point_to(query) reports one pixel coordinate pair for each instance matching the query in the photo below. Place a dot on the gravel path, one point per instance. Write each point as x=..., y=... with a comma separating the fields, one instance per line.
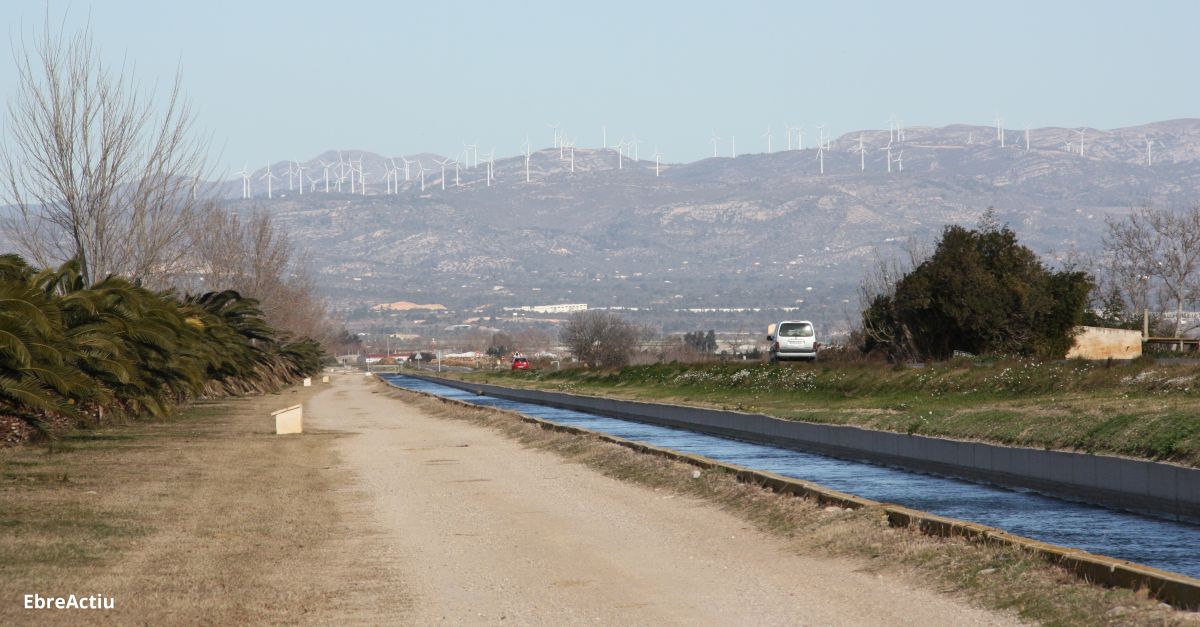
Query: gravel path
x=477, y=528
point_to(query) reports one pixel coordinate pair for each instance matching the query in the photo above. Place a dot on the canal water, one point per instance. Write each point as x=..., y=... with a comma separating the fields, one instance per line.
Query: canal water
x=1168, y=545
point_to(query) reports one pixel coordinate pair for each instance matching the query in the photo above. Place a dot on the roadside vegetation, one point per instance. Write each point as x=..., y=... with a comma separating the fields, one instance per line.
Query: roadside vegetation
x=73, y=354
x=1139, y=409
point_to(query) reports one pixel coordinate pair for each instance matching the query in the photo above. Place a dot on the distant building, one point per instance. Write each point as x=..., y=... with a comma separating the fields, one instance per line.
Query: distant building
x=564, y=308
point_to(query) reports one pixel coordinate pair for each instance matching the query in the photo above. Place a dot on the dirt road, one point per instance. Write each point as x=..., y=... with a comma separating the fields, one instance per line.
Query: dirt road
x=477, y=528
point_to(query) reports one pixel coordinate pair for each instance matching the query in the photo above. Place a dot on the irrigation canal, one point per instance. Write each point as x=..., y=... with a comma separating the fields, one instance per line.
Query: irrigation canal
x=1168, y=545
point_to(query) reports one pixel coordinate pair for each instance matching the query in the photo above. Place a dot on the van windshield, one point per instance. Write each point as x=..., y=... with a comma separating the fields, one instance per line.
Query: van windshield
x=795, y=329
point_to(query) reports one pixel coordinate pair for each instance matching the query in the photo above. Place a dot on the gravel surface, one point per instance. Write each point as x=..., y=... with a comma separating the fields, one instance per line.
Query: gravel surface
x=476, y=528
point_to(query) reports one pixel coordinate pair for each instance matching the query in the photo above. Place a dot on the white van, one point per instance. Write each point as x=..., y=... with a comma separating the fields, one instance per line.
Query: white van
x=792, y=339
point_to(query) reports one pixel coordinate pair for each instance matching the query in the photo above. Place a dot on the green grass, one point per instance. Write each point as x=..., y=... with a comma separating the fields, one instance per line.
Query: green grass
x=1136, y=409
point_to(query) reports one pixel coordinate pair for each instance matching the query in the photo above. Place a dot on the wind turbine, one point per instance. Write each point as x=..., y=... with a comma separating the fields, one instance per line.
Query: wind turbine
x=900, y=162
x=290, y=174
x=768, y=136
x=406, y=164
x=326, y=166
x=656, y=158
x=821, y=137
x=554, y=127
x=799, y=138
x=821, y=157
x=1149, y=156
x=862, y=154
x=635, y=142
x=1026, y=138
x=1081, y=133
x=733, y=146
x=1000, y=129
x=490, y=159
x=526, y=146
x=620, y=153
x=787, y=132
x=603, y=136
x=421, y=168
x=571, y=145
x=362, y=178
x=891, y=128
x=456, y=183
x=443, y=163
x=714, y=140
x=245, y=181
x=889, y=156
x=268, y=176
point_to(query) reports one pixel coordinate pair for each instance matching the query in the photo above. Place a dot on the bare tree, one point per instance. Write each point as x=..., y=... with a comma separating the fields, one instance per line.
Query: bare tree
x=600, y=339
x=258, y=260
x=97, y=167
x=1159, y=246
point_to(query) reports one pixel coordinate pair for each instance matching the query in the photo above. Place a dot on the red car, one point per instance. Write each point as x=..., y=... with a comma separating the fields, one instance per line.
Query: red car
x=520, y=363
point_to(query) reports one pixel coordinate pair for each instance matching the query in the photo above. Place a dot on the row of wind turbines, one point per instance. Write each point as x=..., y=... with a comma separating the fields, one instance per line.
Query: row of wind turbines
x=336, y=174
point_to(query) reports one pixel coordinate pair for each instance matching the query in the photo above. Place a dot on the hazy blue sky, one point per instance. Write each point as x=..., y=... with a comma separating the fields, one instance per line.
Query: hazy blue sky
x=285, y=80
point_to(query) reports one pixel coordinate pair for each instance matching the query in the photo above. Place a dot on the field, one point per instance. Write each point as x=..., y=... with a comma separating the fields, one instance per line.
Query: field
x=1140, y=409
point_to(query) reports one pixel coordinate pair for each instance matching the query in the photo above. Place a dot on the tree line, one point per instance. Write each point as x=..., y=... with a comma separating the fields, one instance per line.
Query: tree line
x=113, y=349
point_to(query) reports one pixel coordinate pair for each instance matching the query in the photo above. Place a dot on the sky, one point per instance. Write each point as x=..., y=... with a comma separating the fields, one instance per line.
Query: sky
x=287, y=80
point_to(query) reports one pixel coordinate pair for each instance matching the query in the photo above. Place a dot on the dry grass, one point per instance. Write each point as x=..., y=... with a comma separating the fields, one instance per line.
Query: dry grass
x=205, y=518
x=996, y=577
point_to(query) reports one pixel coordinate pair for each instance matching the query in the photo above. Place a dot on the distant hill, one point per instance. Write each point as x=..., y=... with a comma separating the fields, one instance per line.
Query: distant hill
x=759, y=230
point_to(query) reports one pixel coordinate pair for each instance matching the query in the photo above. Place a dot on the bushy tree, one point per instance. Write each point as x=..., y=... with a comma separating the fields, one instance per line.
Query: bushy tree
x=981, y=292
x=600, y=339
x=700, y=341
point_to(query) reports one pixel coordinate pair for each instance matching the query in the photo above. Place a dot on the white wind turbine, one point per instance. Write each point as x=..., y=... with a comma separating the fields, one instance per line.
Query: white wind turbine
x=821, y=156
x=656, y=160
x=362, y=178
x=554, y=127
x=1000, y=129
x=1026, y=138
x=714, y=140
x=635, y=142
x=891, y=128
x=799, y=138
x=603, y=136
x=620, y=148
x=900, y=161
x=245, y=181
x=526, y=146
x=889, y=156
x=1149, y=155
x=571, y=145
x=1081, y=132
x=421, y=169
x=406, y=164
x=388, y=175
x=787, y=132
x=821, y=137
x=862, y=154
x=733, y=146
x=456, y=182
x=442, y=162
x=269, y=176
x=490, y=160
x=300, y=171
x=290, y=174
x=767, y=134
x=326, y=166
